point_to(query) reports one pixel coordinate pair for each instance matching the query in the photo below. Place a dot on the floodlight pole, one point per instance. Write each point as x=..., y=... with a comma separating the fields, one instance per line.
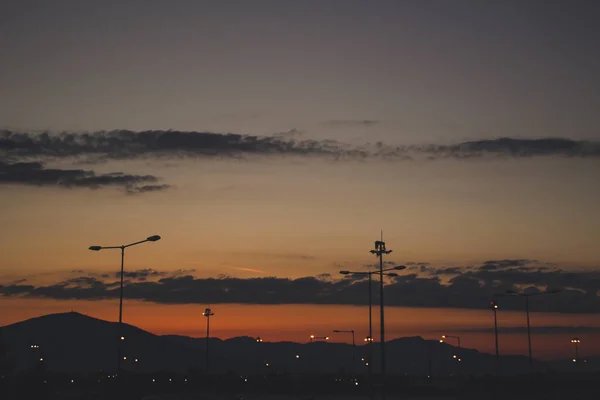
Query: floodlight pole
x=379, y=251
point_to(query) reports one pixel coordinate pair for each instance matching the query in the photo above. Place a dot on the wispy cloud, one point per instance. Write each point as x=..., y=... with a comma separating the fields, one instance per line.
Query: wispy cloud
x=22, y=154
x=35, y=174
x=15, y=147
x=258, y=271
x=348, y=123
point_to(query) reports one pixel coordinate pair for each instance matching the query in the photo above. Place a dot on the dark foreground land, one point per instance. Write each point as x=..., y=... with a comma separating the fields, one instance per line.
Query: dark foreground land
x=284, y=387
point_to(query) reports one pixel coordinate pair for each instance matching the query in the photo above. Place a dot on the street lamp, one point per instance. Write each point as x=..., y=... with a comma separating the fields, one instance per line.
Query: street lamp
x=310, y=357
x=259, y=340
x=527, y=296
x=313, y=337
x=153, y=238
x=444, y=337
x=494, y=307
x=369, y=339
x=207, y=313
x=455, y=356
x=576, y=342
x=353, y=346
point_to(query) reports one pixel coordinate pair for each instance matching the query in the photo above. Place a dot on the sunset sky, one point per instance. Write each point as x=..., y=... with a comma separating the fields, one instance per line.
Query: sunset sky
x=270, y=142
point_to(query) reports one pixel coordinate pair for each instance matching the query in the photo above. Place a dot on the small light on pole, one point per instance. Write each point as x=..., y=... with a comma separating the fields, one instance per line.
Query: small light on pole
x=494, y=307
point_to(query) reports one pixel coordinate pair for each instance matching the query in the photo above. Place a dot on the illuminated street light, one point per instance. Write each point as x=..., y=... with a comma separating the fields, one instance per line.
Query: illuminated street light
x=444, y=337
x=153, y=238
x=494, y=307
x=576, y=342
x=313, y=338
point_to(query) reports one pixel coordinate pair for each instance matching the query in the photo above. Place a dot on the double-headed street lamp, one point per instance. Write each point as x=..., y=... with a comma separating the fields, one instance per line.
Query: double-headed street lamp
x=259, y=340
x=207, y=313
x=312, y=339
x=353, y=346
x=120, y=338
x=444, y=337
x=527, y=296
x=369, y=339
x=576, y=342
x=455, y=356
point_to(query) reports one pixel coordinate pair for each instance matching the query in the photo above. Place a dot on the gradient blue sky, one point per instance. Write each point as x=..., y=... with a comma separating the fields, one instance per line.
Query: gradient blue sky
x=351, y=73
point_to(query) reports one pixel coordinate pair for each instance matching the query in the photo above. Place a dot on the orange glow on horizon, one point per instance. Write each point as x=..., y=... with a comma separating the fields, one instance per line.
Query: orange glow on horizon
x=297, y=322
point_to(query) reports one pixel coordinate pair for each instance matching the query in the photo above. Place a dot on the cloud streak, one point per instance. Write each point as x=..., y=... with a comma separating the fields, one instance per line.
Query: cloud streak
x=349, y=123
x=35, y=174
x=123, y=144
x=471, y=289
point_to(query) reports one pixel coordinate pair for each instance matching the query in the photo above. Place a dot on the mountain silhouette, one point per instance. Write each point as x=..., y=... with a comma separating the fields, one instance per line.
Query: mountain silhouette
x=79, y=343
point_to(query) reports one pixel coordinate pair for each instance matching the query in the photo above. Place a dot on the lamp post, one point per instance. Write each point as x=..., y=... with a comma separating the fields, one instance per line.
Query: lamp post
x=120, y=338
x=494, y=307
x=353, y=347
x=455, y=356
x=527, y=296
x=313, y=338
x=444, y=337
x=576, y=342
x=369, y=339
x=207, y=313
x=262, y=361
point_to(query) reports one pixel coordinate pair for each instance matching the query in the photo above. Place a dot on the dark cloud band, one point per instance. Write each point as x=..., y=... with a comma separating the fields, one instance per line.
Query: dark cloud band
x=472, y=288
x=35, y=174
x=124, y=144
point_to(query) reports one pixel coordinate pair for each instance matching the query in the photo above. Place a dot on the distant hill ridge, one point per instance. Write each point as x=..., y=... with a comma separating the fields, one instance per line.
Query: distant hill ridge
x=76, y=342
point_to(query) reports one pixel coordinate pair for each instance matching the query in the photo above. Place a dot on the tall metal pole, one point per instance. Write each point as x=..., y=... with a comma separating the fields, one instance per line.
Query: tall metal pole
x=120, y=338
x=576, y=342
x=369, y=344
x=497, y=363
x=207, y=313
x=120, y=328
x=207, y=339
x=381, y=316
x=529, y=334
x=353, y=353
x=380, y=250
x=496, y=337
